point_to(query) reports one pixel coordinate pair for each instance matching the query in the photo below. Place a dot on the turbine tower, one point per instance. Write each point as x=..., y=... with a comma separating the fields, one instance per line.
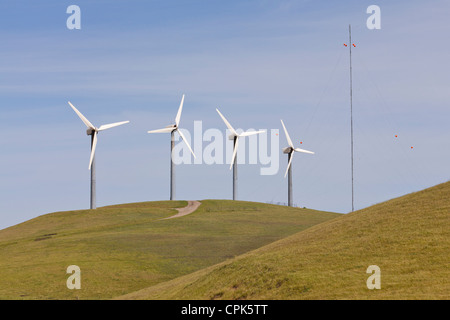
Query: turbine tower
x=235, y=137
x=172, y=128
x=93, y=132
x=290, y=152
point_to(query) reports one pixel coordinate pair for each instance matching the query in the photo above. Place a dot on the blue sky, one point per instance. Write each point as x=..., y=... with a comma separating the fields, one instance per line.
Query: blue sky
x=258, y=61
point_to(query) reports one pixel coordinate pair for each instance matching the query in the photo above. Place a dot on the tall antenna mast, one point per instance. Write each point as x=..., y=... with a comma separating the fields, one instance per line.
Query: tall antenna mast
x=351, y=110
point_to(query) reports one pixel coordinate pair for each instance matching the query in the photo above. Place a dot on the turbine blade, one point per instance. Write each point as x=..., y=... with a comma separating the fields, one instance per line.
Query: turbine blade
x=287, y=136
x=234, y=152
x=111, y=125
x=83, y=118
x=184, y=139
x=289, y=164
x=178, y=117
x=94, y=145
x=163, y=130
x=227, y=123
x=250, y=133
x=302, y=150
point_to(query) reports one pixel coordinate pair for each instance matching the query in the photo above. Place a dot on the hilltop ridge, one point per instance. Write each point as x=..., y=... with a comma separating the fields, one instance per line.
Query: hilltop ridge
x=407, y=237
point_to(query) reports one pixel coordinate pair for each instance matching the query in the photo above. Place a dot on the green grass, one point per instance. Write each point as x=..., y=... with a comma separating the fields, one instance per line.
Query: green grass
x=407, y=237
x=125, y=248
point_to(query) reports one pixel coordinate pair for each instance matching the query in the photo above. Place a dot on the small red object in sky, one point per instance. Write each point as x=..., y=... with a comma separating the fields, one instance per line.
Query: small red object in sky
x=301, y=142
x=354, y=45
x=345, y=44
x=396, y=136
x=411, y=147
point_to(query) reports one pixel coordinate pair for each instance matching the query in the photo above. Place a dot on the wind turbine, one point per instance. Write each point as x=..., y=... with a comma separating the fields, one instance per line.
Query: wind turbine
x=93, y=132
x=235, y=137
x=172, y=128
x=290, y=151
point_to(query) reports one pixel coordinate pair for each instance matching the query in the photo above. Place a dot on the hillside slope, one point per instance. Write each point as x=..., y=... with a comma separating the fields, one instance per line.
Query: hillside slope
x=124, y=248
x=408, y=238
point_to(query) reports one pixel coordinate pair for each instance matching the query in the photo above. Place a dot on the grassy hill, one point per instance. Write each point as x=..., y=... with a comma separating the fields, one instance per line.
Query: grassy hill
x=407, y=237
x=124, y=248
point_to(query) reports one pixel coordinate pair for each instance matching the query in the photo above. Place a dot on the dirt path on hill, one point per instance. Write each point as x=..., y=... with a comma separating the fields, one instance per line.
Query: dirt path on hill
x=191, y=207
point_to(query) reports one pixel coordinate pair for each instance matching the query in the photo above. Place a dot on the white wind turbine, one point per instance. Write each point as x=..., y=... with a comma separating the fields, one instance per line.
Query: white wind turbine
x=235, y=137
x=172, y=128
x=290, y=151
x=93, y=132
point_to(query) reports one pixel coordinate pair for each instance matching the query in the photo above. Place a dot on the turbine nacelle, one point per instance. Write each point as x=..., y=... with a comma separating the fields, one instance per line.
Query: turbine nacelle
x=288, y=150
